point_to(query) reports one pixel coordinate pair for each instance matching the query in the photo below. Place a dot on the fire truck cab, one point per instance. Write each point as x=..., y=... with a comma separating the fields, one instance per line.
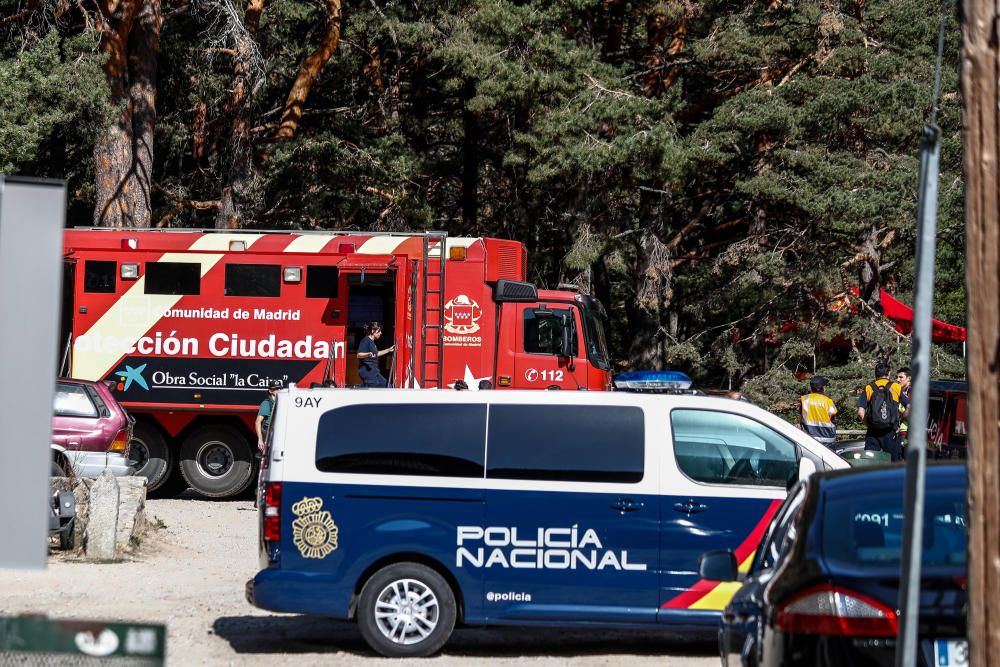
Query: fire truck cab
x=191, y=326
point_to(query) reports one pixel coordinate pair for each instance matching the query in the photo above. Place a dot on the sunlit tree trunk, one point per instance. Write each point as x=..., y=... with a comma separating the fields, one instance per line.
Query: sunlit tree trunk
x=239, y=164
x=113, y=148
x=310, y=71
x=144, y=47
x=123, y=154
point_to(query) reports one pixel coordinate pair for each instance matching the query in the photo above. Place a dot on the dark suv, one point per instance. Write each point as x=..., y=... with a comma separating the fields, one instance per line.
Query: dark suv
x=90, y=431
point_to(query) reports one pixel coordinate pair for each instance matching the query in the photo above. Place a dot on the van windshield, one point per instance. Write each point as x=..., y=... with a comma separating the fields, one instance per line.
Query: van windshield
x=873, y=536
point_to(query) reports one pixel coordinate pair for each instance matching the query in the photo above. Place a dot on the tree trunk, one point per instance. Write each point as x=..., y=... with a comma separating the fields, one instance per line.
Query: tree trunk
x=310, y=71
x=870, y=280
x=470, y=161
x=144, y=48
x=113, y=148
x=647, y=312
x=616, y=25
x=237, y=160
x=982, y=208
x=112, y=160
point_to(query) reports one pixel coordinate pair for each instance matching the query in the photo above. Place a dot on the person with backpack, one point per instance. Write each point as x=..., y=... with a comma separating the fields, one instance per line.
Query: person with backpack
x=880, y=406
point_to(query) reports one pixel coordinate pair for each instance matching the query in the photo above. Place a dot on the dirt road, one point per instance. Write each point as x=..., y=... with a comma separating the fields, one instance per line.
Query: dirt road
x=190, y=576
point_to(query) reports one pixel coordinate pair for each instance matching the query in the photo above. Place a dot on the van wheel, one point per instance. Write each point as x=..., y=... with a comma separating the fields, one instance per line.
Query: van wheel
x=217, y=461
x=151, y=455
x=406, y=610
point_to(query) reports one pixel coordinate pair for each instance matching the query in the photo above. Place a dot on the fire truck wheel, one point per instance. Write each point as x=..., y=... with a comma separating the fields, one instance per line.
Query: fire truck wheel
x=151, y=455
x=217, y=461
x=406, y=610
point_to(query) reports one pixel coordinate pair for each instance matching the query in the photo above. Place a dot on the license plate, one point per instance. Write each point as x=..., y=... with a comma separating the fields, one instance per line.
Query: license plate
x=951, y=653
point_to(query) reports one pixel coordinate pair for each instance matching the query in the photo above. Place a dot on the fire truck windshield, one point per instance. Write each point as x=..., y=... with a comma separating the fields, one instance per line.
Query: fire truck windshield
x=597, y=346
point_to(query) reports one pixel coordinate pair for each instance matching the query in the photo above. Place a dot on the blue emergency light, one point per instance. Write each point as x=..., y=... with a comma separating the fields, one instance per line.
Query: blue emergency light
x=652, y=381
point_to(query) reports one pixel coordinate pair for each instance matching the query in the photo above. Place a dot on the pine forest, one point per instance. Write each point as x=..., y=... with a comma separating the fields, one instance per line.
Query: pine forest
x=735, y=181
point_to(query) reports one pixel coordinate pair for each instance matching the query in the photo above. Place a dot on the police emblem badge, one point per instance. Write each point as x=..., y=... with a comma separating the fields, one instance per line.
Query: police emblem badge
x=313, y=531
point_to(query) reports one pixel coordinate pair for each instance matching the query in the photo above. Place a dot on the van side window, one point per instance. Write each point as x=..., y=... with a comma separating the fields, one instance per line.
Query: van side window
x=403, y=439
x=567, y=443
x=725, y=448
x=543, y=335
x=173, y=278
x=99, y=277
x=253, y=280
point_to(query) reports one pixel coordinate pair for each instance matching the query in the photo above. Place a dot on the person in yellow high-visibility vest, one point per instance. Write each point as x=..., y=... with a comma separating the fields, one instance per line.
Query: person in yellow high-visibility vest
x=819, y=413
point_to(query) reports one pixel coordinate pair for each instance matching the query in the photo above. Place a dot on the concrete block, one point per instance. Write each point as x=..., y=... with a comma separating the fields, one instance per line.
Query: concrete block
x=102, y=523
x=131, y=510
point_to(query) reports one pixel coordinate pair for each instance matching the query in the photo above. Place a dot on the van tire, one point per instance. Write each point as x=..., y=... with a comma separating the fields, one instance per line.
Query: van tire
x=438, y=613
x=156, y=458
x=217, y=461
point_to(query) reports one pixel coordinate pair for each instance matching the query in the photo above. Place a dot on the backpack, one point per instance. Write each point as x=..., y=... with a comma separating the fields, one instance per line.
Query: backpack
x=883, y=412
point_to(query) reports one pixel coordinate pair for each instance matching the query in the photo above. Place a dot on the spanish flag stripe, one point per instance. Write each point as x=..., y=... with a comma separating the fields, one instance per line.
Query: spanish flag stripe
x=706, y=589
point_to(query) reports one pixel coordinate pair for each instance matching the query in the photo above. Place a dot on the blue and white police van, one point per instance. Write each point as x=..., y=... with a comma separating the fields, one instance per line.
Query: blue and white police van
x=412, y=512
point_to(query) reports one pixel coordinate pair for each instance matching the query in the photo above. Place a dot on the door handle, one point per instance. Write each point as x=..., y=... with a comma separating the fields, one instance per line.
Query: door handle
x=627, y=505
x=690, y=507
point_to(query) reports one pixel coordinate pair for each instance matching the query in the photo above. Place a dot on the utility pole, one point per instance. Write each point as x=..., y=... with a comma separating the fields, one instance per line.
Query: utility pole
x=982, y=243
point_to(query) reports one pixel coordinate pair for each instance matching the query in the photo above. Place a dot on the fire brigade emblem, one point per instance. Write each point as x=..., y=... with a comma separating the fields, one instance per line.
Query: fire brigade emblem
x=461, y=315
x=313, y=531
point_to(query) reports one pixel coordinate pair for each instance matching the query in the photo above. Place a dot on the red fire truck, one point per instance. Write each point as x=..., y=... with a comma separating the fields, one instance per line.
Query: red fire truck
x=193, y=325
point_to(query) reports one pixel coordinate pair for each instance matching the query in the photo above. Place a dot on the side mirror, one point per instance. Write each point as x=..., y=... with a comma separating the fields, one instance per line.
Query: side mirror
x=566, y=347
x=806, y=467
x=718, y=566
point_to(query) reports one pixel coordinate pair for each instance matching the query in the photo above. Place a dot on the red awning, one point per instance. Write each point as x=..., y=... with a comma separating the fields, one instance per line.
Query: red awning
x=902, y=317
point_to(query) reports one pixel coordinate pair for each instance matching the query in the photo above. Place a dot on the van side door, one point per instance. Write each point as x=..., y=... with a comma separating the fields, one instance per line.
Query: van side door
x=572, y=517
x=724, y=479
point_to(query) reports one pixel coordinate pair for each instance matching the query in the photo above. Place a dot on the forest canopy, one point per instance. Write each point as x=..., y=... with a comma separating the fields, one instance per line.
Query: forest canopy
x=718, y=174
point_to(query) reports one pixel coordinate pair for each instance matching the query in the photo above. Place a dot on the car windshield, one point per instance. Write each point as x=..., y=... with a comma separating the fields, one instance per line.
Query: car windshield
x=597, y=346
x=865, y=531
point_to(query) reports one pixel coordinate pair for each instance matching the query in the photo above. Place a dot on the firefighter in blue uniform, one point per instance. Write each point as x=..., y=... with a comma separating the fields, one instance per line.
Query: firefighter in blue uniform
x=368, y=354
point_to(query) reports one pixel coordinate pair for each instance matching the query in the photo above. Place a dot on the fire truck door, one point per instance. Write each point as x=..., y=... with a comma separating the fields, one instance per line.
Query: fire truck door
x=370, y=281
x=548, y=348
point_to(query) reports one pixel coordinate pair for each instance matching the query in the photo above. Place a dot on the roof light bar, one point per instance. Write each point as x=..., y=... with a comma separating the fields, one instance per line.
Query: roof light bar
x=652, y=381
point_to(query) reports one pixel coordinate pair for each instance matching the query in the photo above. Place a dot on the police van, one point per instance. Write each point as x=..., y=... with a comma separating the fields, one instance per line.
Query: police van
x=412, y=512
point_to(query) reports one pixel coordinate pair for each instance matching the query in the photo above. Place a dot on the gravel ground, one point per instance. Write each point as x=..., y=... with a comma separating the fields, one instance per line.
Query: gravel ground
x=190, y=576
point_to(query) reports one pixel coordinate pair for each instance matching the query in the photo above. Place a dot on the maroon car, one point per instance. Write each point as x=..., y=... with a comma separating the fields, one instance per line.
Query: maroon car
x=90, y=431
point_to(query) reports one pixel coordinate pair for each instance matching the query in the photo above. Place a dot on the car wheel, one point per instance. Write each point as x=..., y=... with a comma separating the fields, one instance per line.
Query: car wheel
x=57, y=470
x=406, y=610
x=217, y=461
x=152, y=457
